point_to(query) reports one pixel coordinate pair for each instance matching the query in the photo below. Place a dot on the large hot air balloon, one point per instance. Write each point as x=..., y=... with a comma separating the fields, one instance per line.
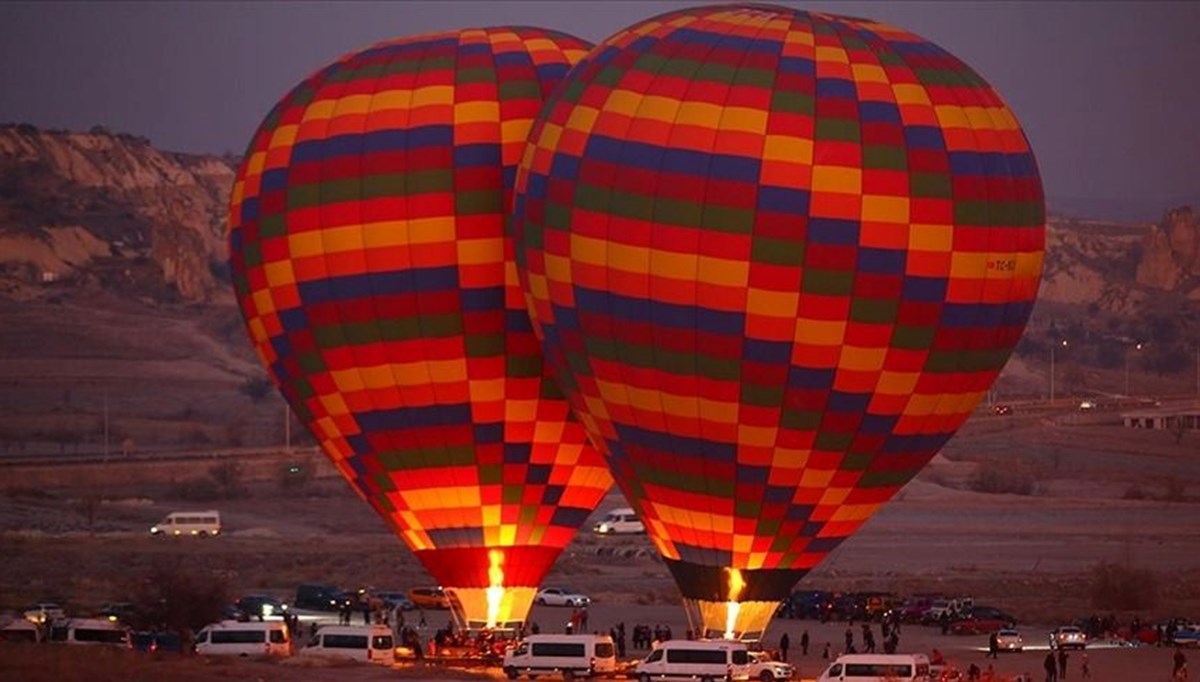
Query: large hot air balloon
x=775, y=259
x=371, y=265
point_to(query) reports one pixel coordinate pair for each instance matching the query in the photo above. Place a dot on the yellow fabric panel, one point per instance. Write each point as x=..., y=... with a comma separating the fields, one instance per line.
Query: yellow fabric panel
x=910, y=93
x=623, y=102
x=263, y=302
x=433, y=95
x=831, y=54
x=757, y=436
x=319, y=110
x=284, y=136
x=664, y=109
x=897, y=383
x=788, y=148
x=951, y=116
x=279, y=272
x=582, y=118
x=588, y=250
x=968, y=265
x=885, y=209
x=254, y=166
x=837, y=179
x=834, y=496
x=723, y=272
x=480, y=251
x=816, y=478
x=854, y=512
x=392, y=99
x=772, y=303
x=931, y=237
x=718, y=412
x=820, y=332
x=476, y=112
x=862, y=359
x=347, y=380
x=868, y=73
x=744, y=119
x=334, y=405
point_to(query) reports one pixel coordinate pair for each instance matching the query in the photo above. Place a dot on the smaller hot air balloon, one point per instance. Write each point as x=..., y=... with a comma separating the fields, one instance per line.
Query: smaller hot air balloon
x=370, y=263
x=776, y=258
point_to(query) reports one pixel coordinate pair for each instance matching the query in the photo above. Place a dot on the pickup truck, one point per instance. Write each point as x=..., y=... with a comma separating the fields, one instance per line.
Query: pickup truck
x=763, y=668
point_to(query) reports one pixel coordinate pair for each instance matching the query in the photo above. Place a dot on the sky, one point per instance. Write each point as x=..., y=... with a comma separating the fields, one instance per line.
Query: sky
x=1107, y=92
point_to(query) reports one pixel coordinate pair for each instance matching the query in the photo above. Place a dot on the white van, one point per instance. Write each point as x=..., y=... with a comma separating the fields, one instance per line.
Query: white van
x=571, y=655
x=235, y=638
x=878, y=668
x=198, y=523
x=619, y=521
x=716, y=659
x=368, y=643
x=93, y=631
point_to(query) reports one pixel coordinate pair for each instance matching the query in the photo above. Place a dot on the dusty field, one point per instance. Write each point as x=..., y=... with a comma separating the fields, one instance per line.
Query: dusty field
x=1030, y=554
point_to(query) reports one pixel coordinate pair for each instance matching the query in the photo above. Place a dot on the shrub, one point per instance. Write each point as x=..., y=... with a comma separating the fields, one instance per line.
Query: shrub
x=196, y=490
x=1123, y=588
x=179, y=597
x=256, y=388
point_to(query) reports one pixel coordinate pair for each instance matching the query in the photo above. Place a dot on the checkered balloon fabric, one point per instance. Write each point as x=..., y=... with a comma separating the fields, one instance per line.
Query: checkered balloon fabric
x=776, y=259
x=370, y=262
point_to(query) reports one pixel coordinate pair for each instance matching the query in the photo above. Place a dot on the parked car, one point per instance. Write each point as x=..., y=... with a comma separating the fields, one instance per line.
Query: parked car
x=618, y=522
x=261, y=606
x=1186, y=635
x=557, y=596
x=1002, y=409
x=317, y=597
x=763, y=667
x=44, y=612
x=166, y=642
x=1009, y=640
x=20, y=630
x=429, y=598
x=395, y=599
x=1068, y=637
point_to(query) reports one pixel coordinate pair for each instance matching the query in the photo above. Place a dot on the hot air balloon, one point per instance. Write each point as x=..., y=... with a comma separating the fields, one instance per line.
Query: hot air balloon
x=371, y=266
x=775, y=259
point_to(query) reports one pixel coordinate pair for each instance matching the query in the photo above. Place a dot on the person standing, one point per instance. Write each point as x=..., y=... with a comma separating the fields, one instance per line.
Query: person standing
x=993, y=646
x=825, y=653
x=1084, y=668
x=804, y=642
x=784, y=643
x=1050, y=668
x=1062, y=663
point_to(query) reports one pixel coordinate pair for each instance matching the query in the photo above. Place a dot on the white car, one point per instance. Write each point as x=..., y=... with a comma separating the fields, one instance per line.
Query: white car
x=557, y=596
x=1009, y=640
x=763, y=668
x=1068, y=637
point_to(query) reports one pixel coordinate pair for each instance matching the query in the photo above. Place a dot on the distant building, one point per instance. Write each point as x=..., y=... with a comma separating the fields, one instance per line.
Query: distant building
x=1168, y=418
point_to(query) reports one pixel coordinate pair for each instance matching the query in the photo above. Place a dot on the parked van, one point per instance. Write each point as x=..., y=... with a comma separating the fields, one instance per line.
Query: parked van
x=235, y=638
x=619, y=521
x=20, y=630
x=368, y=643
x=878, y=668
x=198, y=523
x=92, y=631
x=717, y=659
x=571, y=655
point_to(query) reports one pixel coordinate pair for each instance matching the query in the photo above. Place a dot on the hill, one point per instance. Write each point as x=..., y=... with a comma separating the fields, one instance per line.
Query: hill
x=115, y=294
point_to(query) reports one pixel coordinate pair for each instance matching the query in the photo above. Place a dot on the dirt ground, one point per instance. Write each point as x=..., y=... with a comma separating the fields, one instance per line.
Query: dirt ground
x=1031, y=554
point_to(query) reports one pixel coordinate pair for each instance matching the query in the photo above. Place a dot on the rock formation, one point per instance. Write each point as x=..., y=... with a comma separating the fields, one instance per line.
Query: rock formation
x=111, y=210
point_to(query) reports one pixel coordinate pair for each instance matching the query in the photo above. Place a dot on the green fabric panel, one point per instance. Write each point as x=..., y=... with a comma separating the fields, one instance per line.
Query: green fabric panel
x=484, y=346
x=787, y=252
x=885, y=157
x=792, y=102
x=873, y=310
x=931, y=185
x=912, y=338
x=828, y=282
x=837, y=129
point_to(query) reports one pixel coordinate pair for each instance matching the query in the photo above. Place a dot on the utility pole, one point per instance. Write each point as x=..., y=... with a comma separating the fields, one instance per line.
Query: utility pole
x=106, y=426
x=1053, y=346
x=287, y=428
x=1137, y=346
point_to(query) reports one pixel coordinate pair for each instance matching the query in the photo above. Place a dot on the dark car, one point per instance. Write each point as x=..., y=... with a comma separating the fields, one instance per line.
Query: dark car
x=261, y=606
x=120, y=612
x=166, y=642
x=317, y=597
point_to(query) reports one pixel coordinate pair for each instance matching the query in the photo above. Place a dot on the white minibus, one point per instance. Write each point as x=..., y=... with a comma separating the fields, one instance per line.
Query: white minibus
x=569, y=655
x=878, y=668
x=717, y=659
x=90, y=631
x=198, y=523
x=368, y=643
x=236, y=638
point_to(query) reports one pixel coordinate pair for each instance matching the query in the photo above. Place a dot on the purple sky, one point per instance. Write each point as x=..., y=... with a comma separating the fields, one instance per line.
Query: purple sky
x=1108, y=93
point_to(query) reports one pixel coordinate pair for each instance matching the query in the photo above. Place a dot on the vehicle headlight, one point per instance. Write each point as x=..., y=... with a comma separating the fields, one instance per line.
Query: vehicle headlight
x=267, y=609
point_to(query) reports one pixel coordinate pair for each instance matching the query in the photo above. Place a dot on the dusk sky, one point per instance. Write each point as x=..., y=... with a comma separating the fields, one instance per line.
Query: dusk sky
x=1107, y=92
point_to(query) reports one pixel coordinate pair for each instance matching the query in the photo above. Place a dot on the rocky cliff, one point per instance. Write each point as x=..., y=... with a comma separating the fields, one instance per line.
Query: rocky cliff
x=110, y=210
x=1171, y=251
x=98, y=209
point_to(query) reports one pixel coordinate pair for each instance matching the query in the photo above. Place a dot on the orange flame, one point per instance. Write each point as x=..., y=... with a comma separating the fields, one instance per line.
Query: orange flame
x=495, y=591
x=736, y=585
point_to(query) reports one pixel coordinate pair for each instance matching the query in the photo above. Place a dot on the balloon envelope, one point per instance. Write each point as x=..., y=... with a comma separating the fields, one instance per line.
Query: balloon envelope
x=371, y=266
x=776, y=259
